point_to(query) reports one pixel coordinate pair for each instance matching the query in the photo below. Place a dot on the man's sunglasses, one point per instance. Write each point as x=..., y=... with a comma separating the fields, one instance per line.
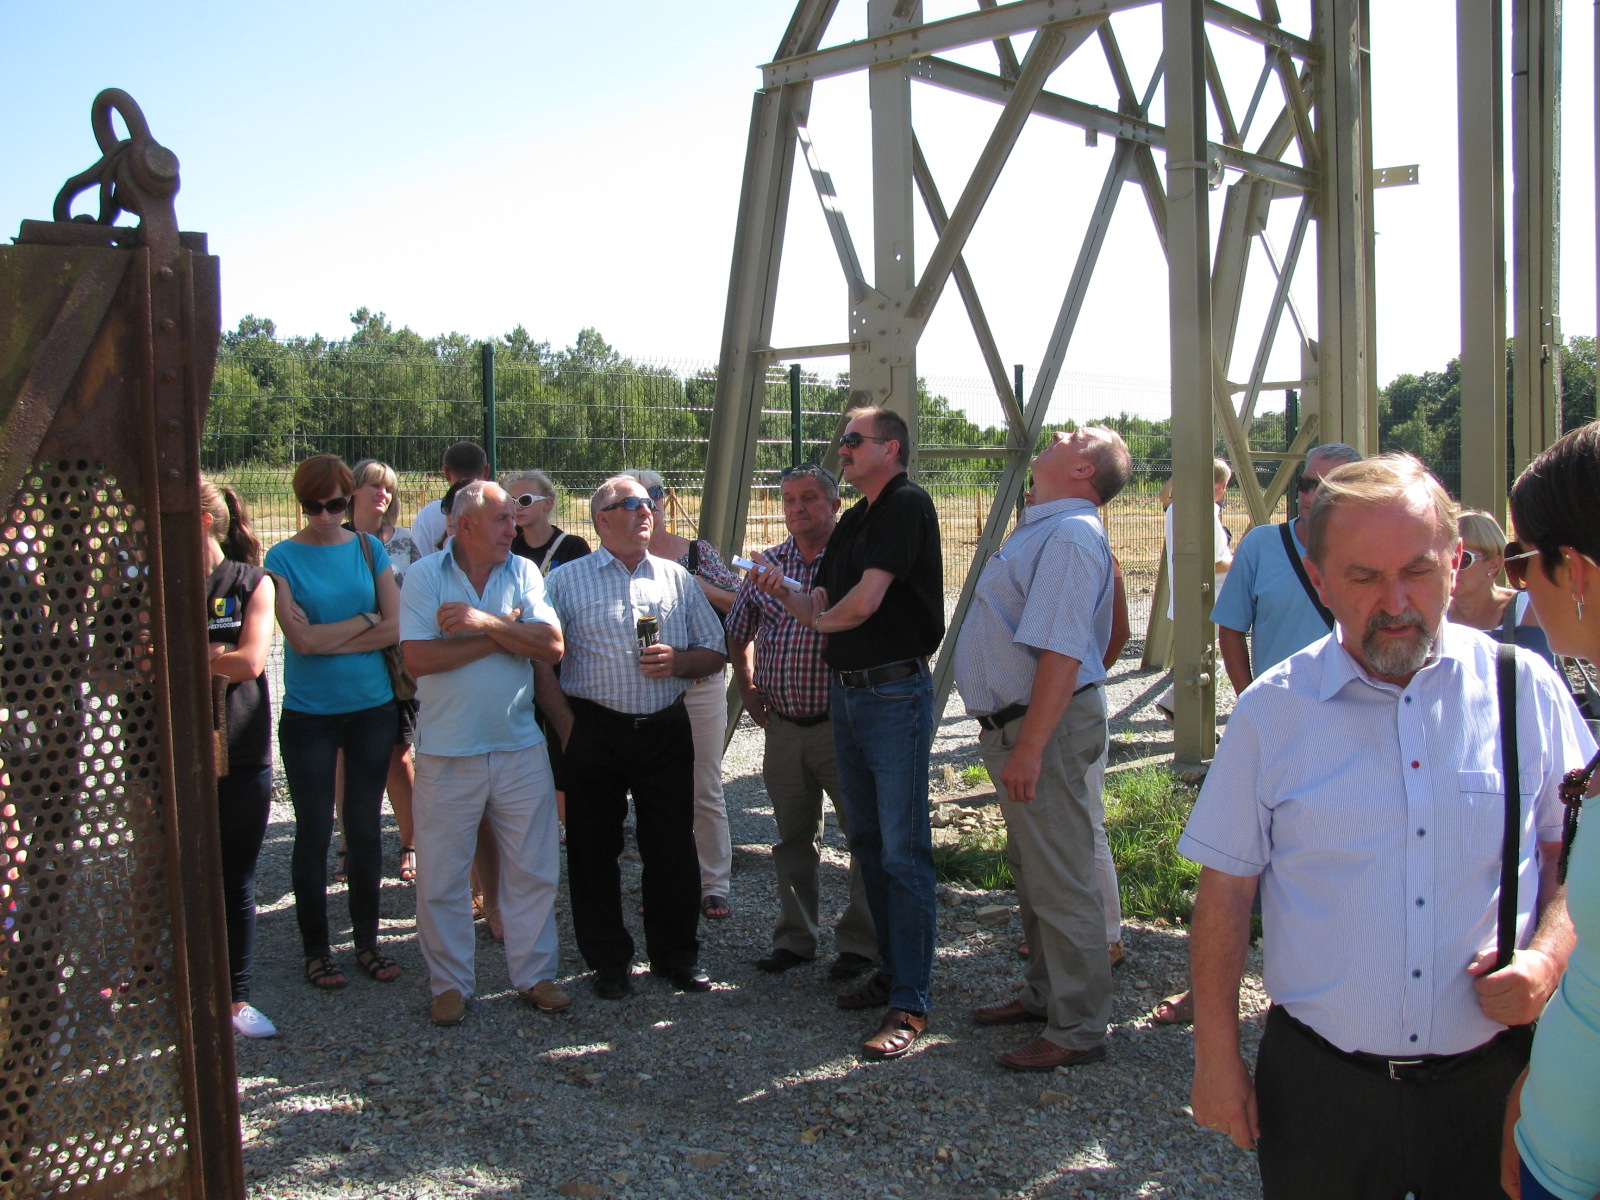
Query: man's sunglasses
x=530, y=499
x=632, y=504
x=314, y=508
x=853, y=440
x=1303, y=485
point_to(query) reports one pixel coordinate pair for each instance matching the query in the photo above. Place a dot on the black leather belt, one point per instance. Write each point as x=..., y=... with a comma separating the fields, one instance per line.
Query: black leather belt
x=802, y=722
x=1004, y=717
x=887, y=673
x=1425, y=1068
x=637, y=720
x=1011, y=712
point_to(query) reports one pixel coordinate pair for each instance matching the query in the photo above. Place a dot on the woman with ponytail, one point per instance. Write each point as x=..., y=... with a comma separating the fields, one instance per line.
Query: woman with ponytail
x=239, y=608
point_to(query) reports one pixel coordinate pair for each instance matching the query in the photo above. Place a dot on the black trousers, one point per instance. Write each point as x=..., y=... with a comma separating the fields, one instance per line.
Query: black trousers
x=1335, y=1130
x=609, y=755
x=244, y=804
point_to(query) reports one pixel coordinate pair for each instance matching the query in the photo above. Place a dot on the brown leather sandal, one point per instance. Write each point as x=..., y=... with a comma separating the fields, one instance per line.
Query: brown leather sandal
x=898, y=1033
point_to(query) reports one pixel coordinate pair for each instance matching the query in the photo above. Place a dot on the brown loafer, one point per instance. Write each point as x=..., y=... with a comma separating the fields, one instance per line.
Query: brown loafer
x=898, y=1033
x=1042, y=1054
x=1009, y=1012
x=448, y=1008
x=1117, y=953
x=870, y=994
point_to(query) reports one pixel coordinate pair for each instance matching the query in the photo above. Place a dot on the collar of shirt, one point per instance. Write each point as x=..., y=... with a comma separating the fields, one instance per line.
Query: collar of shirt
x=466, y=581
x=1339, y=666
x=1042, y=512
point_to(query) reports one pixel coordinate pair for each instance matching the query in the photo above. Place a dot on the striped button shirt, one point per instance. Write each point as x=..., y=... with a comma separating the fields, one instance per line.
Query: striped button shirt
x=1373, y=815
x=600, y=601
x=789, y=671
x=1048, y=588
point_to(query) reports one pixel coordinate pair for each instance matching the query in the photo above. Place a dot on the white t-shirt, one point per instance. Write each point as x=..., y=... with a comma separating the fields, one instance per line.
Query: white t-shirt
x=1219, y=537
x=428, y=530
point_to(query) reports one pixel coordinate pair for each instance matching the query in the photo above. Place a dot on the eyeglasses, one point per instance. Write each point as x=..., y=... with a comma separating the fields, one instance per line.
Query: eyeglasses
x=853, y=440
x=657, y=492
x=1306, y=485
x=530, y=499
x=632, y=504
x=314, y=508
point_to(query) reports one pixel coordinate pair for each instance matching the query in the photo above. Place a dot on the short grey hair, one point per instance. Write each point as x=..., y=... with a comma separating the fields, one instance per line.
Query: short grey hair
x=1337, y=452
x=1113, y=463
x=830, y=485
x=473, y=498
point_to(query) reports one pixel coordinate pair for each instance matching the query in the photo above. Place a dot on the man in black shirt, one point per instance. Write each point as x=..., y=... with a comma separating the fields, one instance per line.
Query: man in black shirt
x=885, y=567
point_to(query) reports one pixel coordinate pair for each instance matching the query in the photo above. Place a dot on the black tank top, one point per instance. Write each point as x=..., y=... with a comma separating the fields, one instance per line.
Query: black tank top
x=228, y=590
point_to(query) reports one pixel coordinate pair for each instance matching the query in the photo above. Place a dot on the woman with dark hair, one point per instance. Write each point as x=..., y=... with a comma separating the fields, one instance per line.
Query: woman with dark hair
x=374, y=509
x=239, y=603
x=338, y=607
x=1552, y=1144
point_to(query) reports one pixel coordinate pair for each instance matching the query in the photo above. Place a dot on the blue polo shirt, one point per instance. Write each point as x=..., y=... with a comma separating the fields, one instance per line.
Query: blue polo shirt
x=486, y=705
x=1262, y=596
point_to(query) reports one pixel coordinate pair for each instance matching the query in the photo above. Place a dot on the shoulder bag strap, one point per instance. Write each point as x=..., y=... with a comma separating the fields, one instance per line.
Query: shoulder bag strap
x=1305, y=581
x=1511, y=843
x=550, y=555
x=366, y=553
x=694, y=557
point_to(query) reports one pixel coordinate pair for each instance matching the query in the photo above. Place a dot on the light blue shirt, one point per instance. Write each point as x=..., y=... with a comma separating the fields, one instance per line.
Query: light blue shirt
x=1048, y=588
x=330, y=584
x=485, y=705
x=1374, y=815
x=1262, y=596
x=600, y=601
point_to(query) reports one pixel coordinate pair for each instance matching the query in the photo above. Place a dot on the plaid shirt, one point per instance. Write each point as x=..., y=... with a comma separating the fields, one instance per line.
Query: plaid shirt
x=790, y=672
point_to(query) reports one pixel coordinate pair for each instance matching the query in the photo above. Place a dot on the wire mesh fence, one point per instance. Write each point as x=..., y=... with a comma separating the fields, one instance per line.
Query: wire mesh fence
x=580, y=419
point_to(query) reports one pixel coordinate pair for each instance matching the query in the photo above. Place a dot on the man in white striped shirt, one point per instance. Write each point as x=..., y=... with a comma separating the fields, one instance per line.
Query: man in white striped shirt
x=1029, y=667
x=1360, y=783
x=619, y=712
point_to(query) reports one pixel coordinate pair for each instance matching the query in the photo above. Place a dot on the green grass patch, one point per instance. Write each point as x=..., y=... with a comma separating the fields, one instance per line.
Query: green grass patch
x=1146, y=810
x=975, y=775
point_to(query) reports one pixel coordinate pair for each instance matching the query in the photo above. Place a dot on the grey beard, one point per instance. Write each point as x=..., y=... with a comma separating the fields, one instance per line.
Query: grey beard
x=1386, y=656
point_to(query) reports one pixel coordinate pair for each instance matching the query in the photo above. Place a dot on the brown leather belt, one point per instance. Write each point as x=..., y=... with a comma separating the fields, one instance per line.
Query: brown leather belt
x=887, y=673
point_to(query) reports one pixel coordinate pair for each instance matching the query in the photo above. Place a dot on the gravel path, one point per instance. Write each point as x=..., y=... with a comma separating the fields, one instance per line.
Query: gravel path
x=751, y=1090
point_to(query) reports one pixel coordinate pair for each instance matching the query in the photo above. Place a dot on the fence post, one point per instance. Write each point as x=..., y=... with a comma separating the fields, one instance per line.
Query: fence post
x=1291, y=426
x=488, y=409
x=794, y=414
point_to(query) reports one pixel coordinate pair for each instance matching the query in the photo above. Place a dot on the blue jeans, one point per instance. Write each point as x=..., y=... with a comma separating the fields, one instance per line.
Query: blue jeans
x=309, y=745
x=882, y=737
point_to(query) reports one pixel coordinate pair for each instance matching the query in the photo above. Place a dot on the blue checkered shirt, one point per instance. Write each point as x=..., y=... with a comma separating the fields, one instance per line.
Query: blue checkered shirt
x=600, y=601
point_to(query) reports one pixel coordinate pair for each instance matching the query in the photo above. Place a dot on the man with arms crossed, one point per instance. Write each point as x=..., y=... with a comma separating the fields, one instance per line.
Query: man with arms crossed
x=1029, y=666
x=1360, y=783
x=624, y=728
x=471, y=619
x=880, y=600
x=785, y=691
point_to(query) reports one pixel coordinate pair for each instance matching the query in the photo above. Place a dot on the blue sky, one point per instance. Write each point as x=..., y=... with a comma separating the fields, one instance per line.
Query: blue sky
x=560, y=166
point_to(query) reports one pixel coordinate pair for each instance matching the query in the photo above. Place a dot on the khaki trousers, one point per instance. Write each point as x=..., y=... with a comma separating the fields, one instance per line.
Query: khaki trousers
x=1050, y=846
x=799, y=766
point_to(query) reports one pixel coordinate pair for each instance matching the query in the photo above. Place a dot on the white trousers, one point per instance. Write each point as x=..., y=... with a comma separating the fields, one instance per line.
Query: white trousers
x=707, y=702
x=514, y=788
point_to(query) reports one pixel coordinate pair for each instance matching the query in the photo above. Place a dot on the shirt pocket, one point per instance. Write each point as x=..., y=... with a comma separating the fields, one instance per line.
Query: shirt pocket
x=1483, y=812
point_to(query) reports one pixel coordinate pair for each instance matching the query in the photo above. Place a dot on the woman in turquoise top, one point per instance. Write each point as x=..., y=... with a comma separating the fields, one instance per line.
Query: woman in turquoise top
x=1553, y=1121
x=338, y=607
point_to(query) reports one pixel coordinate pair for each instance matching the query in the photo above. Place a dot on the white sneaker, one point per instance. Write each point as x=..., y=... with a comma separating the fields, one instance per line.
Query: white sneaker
x=251, y=1022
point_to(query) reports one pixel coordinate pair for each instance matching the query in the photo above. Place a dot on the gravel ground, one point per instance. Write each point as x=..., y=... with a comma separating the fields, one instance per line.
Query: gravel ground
x=752, y=1090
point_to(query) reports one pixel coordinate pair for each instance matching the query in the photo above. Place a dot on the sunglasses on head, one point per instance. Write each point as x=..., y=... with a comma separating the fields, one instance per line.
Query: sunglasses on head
x=632, y=504
x=530, y=498
x=313, y=508
x=805, y=471
x=853, y=440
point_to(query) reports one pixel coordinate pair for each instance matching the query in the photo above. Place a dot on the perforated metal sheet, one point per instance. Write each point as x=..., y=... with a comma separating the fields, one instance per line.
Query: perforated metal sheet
x=91, y=1084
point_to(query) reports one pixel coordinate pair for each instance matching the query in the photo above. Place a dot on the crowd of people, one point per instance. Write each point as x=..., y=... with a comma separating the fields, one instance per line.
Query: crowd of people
x=1394, y=793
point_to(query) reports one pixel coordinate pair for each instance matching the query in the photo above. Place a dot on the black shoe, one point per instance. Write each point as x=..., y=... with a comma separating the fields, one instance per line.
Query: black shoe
x=849, y=966
x=685, y=979
x=611, y=983
x=780, y=960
